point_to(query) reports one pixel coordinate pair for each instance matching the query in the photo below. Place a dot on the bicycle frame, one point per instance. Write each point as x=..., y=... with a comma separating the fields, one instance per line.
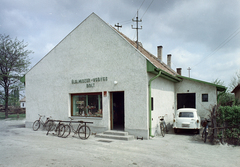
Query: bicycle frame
x=41, y=120
x=205, y=131
x=161, y=120
x=75, y=131
x=162, y=125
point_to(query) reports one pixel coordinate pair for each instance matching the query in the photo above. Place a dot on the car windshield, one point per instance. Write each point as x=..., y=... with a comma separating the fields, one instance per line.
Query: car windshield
x=186, y=114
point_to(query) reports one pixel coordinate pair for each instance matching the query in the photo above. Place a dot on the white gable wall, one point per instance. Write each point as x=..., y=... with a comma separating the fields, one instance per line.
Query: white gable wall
x=92, y=50
x=188, y=86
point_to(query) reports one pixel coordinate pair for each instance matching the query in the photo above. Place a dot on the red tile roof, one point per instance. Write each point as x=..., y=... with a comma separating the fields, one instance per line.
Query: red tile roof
x=153, y=59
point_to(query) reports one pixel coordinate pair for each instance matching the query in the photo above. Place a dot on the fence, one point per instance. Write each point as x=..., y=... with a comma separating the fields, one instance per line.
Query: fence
x=225, y=124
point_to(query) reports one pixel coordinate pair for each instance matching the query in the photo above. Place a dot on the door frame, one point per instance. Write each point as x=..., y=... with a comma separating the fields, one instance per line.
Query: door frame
x=111, y=109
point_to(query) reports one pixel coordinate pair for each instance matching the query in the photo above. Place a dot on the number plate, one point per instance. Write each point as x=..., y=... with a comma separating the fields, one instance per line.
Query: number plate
x=185, y=125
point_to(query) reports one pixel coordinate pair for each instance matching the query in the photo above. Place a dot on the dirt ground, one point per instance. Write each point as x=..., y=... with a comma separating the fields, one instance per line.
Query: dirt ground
x=20, y=146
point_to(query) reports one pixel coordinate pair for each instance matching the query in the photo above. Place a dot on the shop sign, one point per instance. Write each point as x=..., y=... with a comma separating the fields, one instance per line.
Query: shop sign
x=90, y=82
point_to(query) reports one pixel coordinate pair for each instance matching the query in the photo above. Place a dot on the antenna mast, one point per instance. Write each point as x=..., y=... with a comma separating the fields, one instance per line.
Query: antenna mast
x=137, y=26
x=189, y=71
x=118, y=26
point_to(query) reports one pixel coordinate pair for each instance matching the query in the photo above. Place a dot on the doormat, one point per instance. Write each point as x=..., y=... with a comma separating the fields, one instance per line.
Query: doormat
x=106, y=141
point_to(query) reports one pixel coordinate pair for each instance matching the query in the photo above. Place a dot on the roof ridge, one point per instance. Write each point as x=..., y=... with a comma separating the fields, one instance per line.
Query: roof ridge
x=153, y=59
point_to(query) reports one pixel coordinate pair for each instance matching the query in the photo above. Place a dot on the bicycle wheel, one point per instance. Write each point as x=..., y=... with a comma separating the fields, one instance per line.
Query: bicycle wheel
x=84, y=132
x=162, y=129
x=36, y=125
x=60, y=130
x=50, y=125
x=205, y=137
x=67, y=131
x=166, y=130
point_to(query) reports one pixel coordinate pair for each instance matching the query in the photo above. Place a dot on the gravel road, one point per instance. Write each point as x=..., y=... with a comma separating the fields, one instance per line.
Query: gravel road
x=20, y=146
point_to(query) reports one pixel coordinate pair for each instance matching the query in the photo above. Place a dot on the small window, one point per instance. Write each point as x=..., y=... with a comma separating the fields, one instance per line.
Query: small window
x=186, y=114
x=204, y=97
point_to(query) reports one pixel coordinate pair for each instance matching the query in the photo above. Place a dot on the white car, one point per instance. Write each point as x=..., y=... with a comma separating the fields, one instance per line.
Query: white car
x=186, y=118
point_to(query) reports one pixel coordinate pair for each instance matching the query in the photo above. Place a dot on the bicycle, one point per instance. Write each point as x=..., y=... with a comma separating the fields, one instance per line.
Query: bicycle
x=83, y=131
x=59, y=128
x=163, y=126
x=47, y=124
x=205, y=131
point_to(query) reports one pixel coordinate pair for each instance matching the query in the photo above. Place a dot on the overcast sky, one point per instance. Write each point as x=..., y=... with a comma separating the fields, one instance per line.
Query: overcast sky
x=201, y=34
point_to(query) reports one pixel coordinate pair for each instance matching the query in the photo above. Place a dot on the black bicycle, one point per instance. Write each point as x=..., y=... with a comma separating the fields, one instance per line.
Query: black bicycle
x=57, y=128
x=163, y=126
x=46, y=124
x=205, y=131
x=82, y=130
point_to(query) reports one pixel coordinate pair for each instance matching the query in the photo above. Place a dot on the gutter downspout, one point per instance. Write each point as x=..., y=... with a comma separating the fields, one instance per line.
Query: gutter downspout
x=150, y=102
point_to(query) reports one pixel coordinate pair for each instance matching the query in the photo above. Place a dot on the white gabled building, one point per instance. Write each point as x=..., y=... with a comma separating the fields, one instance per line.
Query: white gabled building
x=97, y=74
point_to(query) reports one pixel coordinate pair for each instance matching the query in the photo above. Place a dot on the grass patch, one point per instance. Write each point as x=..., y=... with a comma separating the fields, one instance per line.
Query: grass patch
x=12, y=116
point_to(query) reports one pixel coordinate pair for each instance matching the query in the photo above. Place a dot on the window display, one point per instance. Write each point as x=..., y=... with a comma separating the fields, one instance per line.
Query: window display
x=87, y=105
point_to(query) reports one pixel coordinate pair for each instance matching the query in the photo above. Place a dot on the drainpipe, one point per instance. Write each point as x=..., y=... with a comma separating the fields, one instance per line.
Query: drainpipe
x=150, y=102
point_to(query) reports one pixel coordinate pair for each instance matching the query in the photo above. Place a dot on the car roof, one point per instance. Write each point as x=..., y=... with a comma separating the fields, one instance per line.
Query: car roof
x=187, y=110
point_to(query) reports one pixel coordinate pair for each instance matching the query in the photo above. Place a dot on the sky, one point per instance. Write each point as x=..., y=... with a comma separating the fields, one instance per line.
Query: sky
x=201, y=34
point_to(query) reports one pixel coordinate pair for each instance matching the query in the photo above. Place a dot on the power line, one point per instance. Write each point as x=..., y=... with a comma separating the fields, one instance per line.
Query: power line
x=147, y=8
x=138, y=9
x=127, y=22
x=141, y=5
x=229, y=38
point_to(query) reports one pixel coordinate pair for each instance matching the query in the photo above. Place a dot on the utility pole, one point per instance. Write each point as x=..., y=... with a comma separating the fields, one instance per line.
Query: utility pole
x=137, y=26
x=118, y=26
x=189, y=71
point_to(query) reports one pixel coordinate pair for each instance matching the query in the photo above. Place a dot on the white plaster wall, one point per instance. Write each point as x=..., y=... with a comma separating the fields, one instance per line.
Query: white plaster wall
x=92, y=50
x=188, y=86
x=163, y=97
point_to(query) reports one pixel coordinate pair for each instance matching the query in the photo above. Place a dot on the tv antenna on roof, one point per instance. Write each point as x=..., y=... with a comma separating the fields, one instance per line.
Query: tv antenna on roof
x=189, y=71
x=137, y=26
x=118, y=26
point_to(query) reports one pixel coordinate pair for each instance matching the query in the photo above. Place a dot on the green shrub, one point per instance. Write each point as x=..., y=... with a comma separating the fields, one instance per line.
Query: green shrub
x=229, y=117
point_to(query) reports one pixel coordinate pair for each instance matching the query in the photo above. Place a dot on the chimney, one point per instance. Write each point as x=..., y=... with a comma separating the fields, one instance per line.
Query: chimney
x=179, y=71
x=169, y=60
x=159, y=52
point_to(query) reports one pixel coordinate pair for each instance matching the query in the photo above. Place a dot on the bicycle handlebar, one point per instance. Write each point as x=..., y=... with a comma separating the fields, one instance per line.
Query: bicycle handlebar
x=44, y=116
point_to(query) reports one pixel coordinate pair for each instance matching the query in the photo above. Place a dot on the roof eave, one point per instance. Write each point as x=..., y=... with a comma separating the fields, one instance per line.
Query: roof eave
x=219, y=87
x=154, y=70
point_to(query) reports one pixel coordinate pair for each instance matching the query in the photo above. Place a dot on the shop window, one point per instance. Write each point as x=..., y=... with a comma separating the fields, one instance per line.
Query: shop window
x=87, y=105
x=204, y=97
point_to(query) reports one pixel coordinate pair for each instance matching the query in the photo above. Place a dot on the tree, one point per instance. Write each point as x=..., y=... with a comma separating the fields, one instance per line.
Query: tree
x=218, y=82
x=14, y=63
x=235, y=80
x=224, y=98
